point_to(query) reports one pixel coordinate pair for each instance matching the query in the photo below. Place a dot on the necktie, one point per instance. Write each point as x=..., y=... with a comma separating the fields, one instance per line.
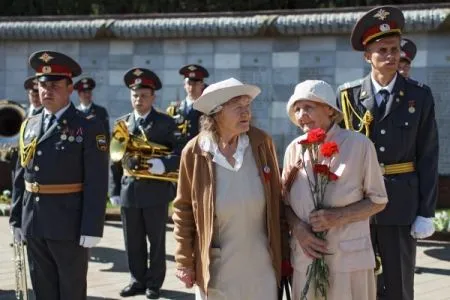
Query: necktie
x=384, y=99
x=50, y=120
x=139, y=122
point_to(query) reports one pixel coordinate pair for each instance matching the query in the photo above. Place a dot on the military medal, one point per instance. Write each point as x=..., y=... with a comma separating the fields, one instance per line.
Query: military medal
x=63, y=137
x=71, y=138
x=412, y=106
x=79, y=139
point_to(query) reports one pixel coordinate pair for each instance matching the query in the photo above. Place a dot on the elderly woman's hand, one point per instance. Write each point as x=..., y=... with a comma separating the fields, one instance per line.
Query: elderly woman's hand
x=312, y=246
x=187, y=276
x=325, y=219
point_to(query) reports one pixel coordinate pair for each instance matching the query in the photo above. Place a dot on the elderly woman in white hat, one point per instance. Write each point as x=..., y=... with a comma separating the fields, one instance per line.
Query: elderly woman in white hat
x=357, y=194
x=227, y=208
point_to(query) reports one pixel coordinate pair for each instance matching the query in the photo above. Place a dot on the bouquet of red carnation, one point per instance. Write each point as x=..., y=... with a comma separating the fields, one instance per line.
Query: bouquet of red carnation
x=320, y=155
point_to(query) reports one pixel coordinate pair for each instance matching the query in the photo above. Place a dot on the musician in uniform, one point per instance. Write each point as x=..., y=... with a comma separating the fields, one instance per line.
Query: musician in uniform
x=186, y=117
x=398, y=116
x=407, y=55
x=84, y=87
x=31, y=86
x=144, y=201
x=61, y=182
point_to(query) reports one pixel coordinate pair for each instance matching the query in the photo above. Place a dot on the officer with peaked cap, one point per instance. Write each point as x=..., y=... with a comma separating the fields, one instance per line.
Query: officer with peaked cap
x=61, y=183
x=143, y=200
x=407, y=55
x=398, y=116
x=186, y=117
x=31, y=86
x=84, y=87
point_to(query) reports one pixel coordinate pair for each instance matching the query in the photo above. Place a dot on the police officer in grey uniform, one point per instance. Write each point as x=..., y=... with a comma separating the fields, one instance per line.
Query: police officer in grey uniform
x=186, y=117
x=84, y=87
x=398, y=115
x=144, y=201
x=60, y=186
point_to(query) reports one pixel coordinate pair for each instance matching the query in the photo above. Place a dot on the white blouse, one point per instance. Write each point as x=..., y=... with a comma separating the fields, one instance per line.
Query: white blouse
x=208, y=144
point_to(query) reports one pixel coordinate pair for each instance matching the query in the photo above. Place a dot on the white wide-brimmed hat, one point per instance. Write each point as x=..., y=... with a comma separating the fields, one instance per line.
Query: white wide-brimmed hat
x=221, y=92
x=313, y=90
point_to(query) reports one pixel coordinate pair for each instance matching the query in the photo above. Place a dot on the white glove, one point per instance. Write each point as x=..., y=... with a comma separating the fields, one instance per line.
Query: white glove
x=422, y=227
x=89, y=241
x=115, y=200
x=156, y=166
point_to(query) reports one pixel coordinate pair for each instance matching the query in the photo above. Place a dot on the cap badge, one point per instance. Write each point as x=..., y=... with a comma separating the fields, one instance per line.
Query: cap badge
x=381, y=14
x=45, y=57
x=192, y=68
x=191, y=74
x=85, y=85
x=402, y=54
x=84, y=80
x=385, y=27
x=46, y=69
x=137, y=72
x=137, y=81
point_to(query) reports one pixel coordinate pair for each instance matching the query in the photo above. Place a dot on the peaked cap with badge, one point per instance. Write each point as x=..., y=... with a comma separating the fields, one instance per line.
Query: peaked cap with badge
x=31, y=83
x=53, y=66
x=382, y=21
x=137, y=78
x=85, y=84
x=409, y=50
x=194, y=72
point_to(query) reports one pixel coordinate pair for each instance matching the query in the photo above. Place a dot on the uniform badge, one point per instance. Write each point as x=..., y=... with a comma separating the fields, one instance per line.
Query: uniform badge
x=71, y=138
x=363, y=93
x=63, y=137
x=102, y=145
x=401, y=93
x=381, y=14
x=412, y=106
x=45, y=57
x=79, y=139
x=137, y=72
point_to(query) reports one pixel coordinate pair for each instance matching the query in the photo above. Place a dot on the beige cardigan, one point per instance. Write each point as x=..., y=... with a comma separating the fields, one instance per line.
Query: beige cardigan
x=194, y=205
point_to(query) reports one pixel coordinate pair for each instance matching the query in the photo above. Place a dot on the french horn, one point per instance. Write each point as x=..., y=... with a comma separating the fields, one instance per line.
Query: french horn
x=133, y=151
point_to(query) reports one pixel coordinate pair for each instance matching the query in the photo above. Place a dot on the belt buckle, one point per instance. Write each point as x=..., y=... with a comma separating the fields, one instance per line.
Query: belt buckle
x=35, y=187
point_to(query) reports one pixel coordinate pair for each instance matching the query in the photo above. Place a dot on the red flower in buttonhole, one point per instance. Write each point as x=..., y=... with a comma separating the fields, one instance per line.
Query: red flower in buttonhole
x=329, y=149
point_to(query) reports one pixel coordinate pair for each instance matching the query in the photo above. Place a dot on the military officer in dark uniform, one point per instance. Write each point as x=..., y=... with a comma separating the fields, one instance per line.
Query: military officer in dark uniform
x=61, y=183
x=398, y=115
x=407, y=55
x=144, y=201
x=31, y=86
x=84, y=87
x=185, y=116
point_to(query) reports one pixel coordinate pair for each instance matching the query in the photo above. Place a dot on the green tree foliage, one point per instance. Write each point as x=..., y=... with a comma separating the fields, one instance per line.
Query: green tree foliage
x=99, y=7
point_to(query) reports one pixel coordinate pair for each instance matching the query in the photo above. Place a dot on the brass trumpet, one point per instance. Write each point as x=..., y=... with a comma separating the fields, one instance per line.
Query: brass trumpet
x=134, y=152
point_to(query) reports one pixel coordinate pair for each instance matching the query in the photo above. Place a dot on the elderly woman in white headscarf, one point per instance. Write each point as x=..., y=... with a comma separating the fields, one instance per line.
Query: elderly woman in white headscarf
x=357, y=194
x=227, y=208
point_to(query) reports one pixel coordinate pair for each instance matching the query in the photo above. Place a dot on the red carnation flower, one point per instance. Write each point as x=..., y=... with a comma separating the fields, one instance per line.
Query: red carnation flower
x=316, y=136
x=321, y=169
x=329, y=149
x=332, y=176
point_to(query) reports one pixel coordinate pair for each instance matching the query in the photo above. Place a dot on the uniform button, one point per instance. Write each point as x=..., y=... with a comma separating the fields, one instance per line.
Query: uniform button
x=383, y=131
x=39, y=152
x=382, y=149
x=36, y=198
x=62, y=147
x=406, y=123
x=36, y=168
x=381, y=165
